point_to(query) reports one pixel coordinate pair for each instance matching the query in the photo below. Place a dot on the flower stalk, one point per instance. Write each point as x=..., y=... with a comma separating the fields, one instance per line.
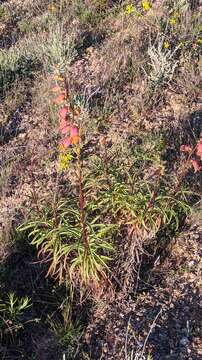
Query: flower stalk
x=82, y=201
x=71, y=141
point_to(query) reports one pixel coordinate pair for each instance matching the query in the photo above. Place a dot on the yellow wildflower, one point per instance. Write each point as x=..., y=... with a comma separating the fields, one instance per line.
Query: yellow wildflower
x=181, y=44
x=199, y=41
x=173, y=21
x=64, y=160
x=166, y=44
x=130, y=9
x=146, y=5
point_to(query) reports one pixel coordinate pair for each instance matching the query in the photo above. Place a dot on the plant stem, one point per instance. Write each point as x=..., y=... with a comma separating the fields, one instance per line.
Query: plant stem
x=82, y=201
x=155, y=191
x=105, y=158
x=33, y=191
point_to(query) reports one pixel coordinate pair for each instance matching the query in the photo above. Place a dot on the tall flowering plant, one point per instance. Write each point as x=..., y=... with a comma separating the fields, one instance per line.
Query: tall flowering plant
x=70, y=142
x=69, y=237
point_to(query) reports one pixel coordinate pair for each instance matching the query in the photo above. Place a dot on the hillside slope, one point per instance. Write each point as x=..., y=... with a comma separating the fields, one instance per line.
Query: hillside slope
x=100, y=187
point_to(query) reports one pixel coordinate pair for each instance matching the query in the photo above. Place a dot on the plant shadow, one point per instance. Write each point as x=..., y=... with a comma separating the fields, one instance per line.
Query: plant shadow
x=22, y=274
x=23, y=69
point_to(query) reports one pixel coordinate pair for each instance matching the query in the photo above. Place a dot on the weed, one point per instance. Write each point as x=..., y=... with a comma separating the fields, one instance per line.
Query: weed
x=91, y=14
x=67, y=335
x=15, y=64
x=57, y=48
x=3, y=12
x=22, y=61
x=62, y=246
x=11, y=312
x=76, y=236
x=116, y=199
x=68, y=237
x=39, y=24
x=162, y=63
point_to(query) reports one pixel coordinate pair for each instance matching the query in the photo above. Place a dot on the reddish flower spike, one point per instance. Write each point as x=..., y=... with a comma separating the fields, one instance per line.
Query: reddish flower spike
x=65, y=143
x=63, y=112
x=196, y=165
x=74, y=131
x=64, y=126
x=74, y=135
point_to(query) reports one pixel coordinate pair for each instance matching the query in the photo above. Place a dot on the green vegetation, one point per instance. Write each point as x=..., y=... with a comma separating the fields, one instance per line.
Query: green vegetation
x=11, y=311
x=99, y=170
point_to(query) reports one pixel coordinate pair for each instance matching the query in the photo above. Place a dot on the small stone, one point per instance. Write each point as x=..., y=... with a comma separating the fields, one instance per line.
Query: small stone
x=184, y=341
x=22, y=136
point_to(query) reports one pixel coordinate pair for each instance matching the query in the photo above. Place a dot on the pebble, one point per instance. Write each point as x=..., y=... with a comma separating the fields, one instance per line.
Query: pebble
x=184, y=341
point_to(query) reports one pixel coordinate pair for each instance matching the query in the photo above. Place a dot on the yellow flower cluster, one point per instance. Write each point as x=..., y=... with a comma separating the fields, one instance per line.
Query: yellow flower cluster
x=146, y=5
x=64, y=160
x=173, y=21
x=174, y=18
x=130, y=9
x=166, y=44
